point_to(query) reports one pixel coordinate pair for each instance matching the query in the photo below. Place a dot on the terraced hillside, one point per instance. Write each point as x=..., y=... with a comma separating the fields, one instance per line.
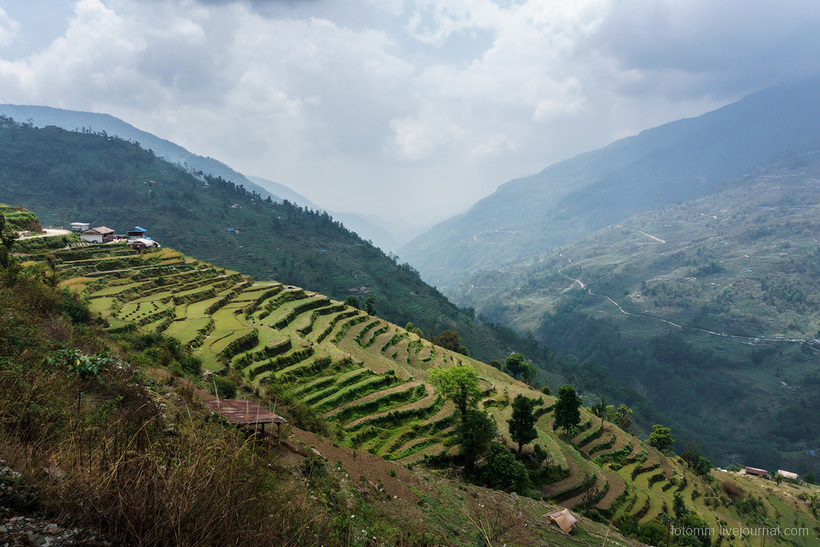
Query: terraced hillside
x=369, y=377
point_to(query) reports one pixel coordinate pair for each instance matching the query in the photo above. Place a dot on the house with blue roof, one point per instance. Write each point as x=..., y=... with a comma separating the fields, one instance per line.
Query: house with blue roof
x=136, y=233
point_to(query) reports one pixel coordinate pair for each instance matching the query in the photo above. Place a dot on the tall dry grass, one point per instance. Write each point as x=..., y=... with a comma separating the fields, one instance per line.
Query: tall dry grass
x=116, y=469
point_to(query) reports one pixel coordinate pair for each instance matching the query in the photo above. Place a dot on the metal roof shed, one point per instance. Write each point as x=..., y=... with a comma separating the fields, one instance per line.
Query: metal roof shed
x=244, y=412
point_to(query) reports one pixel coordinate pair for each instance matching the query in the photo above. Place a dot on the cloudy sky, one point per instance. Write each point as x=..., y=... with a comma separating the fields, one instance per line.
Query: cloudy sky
x=409, y=109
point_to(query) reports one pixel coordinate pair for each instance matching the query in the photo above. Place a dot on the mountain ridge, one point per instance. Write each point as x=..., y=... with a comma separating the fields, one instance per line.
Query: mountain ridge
x=74, y=120
x=661, y=165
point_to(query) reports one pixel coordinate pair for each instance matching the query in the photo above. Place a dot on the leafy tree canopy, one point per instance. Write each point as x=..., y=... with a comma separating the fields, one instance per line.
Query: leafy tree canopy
x=567, y=408
x=449, y=339
x=661, y=438
x=459, y=384
x=502, y=471
x=522, y=423
x=474, y=434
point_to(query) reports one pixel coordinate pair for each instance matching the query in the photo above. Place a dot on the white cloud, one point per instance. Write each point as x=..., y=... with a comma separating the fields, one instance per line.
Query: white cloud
x=354, y=103
x=8, y=28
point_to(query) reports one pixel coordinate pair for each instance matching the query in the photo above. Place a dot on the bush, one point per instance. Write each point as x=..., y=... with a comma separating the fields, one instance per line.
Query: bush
x=76, y=309
x=191, y=364
x=502, y=471
x=224, y=387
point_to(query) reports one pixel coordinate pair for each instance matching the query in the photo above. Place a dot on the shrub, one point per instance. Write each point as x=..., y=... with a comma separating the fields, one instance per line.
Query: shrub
x=502, y=471
x=224, y=387
x=75, y=308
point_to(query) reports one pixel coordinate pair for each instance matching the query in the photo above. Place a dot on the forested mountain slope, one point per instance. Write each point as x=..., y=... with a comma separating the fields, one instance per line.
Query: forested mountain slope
x=68, y=176
x=73, y=120
x=706, y=302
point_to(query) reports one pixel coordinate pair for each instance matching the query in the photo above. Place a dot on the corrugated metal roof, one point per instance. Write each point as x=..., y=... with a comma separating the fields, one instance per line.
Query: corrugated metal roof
x=244, y=411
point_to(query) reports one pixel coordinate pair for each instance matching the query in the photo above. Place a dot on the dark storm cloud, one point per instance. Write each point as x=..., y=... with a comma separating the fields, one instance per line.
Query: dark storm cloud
x=726, y=46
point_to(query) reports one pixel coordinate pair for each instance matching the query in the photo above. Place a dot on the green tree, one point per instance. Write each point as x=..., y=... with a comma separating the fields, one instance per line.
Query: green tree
x=528, y=372
x=370, y=305
x=49, y=273
x=8, y=236
x=599, y=409
x=11, y=269
x=459, y=384
x=623, y=418
x=661, y=438
x=678, y=505
x=449, y=339
x=84, y=367
x=410, y=327
x=517, y=366
x=474, y=435
x=502, y=471
x=354, y=302
x=522, y=423
x=513, y=364
x=697, y=463
x=567, y=409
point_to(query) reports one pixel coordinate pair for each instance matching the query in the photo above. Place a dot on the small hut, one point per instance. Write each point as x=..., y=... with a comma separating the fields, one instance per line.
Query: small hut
x=564, y=519
x=100, y=234
x=245, y=412
x=754, y=471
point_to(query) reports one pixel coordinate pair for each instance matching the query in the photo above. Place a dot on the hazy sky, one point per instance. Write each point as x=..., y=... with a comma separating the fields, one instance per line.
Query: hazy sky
x=409, y=109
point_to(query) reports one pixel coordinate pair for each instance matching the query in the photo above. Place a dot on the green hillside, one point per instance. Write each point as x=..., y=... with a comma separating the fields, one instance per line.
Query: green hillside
x=20, y=219
x=68, y=176
x=365, y=383
x=697, y=304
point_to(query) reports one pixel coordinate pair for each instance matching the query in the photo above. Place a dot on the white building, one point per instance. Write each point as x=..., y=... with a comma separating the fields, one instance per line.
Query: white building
x=100, y=234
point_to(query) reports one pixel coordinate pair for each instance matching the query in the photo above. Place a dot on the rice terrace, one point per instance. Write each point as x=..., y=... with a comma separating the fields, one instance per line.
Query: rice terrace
x=369, y=379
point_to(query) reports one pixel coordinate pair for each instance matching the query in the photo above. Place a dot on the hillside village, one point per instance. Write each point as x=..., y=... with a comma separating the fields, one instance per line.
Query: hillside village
x=135, y=238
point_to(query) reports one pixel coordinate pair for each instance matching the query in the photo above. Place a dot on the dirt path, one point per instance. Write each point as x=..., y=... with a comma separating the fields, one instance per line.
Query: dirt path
x=659, y=240
x=49, y=232
x=749, y=339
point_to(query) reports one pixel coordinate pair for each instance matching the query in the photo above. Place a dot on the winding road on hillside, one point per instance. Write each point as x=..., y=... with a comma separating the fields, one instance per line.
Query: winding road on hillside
x=748, y=339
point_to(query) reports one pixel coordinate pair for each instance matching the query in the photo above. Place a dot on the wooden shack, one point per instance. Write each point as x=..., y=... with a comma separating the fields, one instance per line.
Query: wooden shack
x=245, y=412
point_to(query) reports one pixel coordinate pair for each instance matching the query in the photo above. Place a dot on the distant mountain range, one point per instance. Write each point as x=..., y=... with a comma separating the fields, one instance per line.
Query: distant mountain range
x=72, y=120
x=668, y=164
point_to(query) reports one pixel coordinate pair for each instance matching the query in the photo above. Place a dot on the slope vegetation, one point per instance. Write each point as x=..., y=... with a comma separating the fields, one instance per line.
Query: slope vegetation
x=368, y=378
x=66, y=176
x=708, y=301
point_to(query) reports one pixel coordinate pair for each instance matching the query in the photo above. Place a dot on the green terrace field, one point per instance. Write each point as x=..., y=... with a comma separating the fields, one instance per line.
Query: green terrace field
x=370, y=378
